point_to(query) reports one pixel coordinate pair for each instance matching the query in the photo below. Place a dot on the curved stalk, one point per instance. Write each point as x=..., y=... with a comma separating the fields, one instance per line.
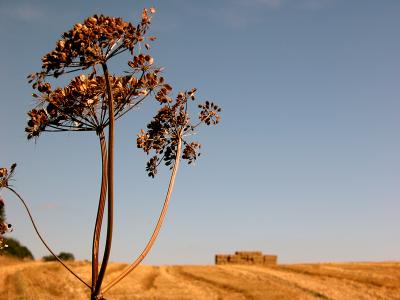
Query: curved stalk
x=161, y=218
x=100, y=210
x=110, y=181
x=43, y=241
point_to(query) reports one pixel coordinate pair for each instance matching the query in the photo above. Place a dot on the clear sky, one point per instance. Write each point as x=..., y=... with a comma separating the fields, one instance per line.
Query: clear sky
x=306, y=161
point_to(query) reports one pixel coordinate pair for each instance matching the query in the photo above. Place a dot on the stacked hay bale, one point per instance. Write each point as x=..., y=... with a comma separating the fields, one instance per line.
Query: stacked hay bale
x=246, y=258
x=221, y=259
x=270, y=260
x=249, y=257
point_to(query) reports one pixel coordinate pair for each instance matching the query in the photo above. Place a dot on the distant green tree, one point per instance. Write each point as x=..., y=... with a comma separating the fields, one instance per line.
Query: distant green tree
x=48, y=258
x=17, y=250
x=66, y=256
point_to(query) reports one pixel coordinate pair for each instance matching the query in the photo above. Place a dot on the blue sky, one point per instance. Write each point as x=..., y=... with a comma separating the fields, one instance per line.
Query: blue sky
x=305, y=163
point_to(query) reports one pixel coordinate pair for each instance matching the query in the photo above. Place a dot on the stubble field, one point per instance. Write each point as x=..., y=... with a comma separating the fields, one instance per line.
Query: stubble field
x=40, y=280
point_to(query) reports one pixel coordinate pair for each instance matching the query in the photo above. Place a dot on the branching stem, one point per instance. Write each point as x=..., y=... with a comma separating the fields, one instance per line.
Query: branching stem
x=110, y=182
x=100, y=210
x=161, y=218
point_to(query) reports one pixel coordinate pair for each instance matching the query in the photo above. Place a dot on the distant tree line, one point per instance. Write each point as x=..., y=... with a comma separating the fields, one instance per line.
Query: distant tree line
x=15, y=249
x=66, y=256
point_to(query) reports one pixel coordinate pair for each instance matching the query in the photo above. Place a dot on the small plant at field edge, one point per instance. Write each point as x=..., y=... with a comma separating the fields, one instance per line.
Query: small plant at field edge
x=5, y=176
x=95, y=98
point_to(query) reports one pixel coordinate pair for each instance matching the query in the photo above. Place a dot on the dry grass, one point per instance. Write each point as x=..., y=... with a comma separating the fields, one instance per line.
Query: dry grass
x=39, y=280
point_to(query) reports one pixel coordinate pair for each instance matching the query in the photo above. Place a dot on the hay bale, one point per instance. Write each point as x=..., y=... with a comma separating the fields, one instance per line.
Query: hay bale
x=246, y=258
x=270, y=259
x=221, y=259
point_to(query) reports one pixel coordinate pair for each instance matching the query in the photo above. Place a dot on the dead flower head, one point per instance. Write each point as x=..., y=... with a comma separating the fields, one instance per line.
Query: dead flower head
x=82, y=105
x=171, y=123
x=6, y=175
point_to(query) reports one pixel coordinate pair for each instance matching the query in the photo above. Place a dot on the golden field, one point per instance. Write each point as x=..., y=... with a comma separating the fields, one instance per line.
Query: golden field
x=47, y=280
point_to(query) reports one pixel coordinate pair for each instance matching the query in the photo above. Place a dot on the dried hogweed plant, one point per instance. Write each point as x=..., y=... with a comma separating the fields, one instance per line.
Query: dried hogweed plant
x=95, y=99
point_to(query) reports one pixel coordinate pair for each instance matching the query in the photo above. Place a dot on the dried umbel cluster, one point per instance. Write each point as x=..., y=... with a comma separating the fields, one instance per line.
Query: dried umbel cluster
x=94, y=41
x=82, y=105
x=209, y=113
x=171, y=123
x=6, y=175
